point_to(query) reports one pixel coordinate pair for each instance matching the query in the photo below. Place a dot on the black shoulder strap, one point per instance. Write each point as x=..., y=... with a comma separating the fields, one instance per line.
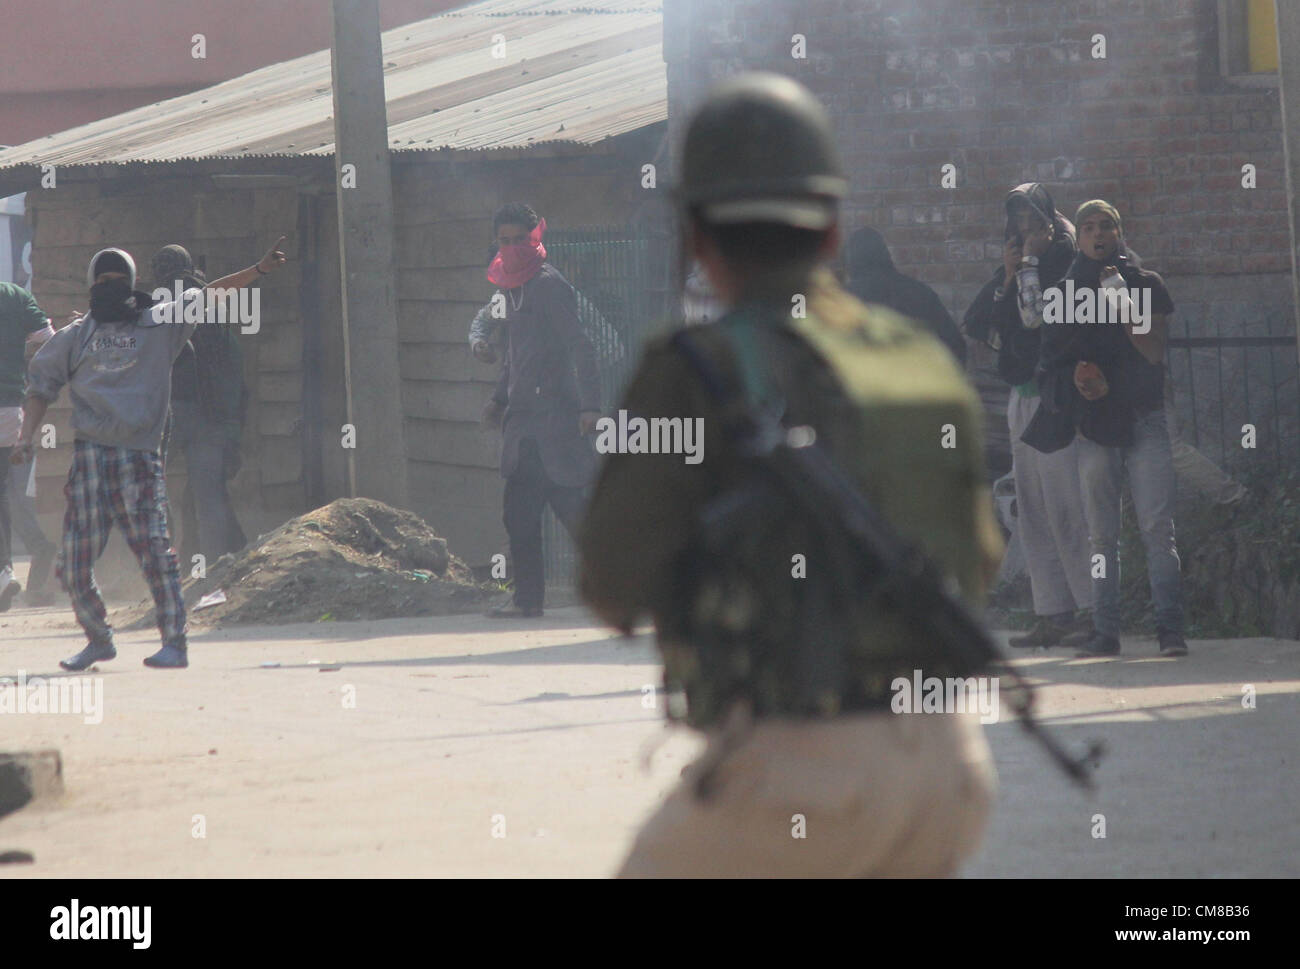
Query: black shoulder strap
x=749, y=424
x=704, y=368
x=749, y=429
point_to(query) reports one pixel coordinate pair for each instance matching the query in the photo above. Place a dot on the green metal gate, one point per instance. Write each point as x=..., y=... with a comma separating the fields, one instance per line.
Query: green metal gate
x=621, y=277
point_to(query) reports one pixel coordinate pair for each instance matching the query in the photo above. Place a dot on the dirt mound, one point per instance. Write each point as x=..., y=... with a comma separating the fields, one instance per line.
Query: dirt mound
x=352, y=559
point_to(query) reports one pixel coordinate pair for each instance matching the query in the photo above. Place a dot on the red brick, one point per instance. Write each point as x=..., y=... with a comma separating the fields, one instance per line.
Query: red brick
x=1266, y=262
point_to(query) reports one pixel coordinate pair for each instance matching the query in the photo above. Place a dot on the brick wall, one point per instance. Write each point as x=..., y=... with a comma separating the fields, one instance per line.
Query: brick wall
x=1008, y=92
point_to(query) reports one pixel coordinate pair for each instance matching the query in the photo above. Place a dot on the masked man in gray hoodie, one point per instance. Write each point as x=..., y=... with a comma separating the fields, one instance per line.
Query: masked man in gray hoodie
x=116, y=362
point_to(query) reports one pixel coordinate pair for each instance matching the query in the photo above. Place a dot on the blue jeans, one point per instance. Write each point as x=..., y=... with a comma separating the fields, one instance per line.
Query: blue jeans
x=1149, y=466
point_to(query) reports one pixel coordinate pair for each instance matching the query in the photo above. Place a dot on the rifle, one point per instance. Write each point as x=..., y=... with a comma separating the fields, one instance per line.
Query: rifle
x=790, y=463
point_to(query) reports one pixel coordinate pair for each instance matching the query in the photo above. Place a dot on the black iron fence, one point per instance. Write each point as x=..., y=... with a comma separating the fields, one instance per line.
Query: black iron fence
x=621, y=277
x=1231, y=390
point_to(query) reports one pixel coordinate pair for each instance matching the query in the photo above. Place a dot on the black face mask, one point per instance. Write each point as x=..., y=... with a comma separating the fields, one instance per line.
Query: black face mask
x=112, y=301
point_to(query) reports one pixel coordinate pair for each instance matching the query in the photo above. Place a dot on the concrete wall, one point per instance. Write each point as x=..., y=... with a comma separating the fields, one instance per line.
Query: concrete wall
x=1008, y=91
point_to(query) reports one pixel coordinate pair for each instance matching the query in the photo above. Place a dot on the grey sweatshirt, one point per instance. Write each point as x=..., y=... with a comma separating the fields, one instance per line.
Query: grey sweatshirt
x=118, y=375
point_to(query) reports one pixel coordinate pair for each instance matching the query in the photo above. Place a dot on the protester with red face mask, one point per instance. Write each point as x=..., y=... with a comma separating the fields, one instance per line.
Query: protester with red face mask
x=547, y=399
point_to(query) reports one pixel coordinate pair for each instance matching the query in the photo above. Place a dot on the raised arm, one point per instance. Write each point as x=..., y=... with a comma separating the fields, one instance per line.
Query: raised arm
x=1029, y=287
x=273, y=259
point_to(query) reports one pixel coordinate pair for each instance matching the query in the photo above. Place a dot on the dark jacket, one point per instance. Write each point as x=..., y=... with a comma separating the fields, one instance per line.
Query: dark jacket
x=210, y=369
x=873, y=386
x=874, y=279
x=997, y=322
x=1134, y=383
x=548, y=377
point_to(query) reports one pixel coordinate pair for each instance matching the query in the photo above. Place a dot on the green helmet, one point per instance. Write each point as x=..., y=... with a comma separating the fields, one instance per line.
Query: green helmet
x=760, y=149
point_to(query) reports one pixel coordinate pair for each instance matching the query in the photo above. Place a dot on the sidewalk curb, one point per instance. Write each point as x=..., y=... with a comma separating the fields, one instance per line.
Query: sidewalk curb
x=27, y=776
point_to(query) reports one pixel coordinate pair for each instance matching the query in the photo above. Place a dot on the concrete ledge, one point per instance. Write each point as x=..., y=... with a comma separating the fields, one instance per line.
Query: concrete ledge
x=27, y=776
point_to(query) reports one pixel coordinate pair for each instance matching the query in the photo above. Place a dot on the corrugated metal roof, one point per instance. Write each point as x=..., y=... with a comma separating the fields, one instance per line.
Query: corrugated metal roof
x=570, y=73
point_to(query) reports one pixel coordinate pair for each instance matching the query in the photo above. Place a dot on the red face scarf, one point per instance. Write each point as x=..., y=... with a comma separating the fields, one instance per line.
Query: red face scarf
x=515, y=265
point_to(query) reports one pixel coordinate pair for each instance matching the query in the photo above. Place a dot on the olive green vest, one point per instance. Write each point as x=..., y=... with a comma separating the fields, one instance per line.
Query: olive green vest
x=905, y=425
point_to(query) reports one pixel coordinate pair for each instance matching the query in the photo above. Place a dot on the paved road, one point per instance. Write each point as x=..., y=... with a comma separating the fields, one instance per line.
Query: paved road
x=438, y=736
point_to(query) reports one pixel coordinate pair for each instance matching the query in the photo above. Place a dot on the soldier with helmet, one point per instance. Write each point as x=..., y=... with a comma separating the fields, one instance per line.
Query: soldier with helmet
x=804, y=774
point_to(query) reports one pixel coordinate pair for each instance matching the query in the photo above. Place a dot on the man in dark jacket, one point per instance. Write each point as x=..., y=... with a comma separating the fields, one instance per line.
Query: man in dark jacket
x=1008, y=314
x=547, y=399
x=873, y=279
x=1102, y=384
x=208, y=400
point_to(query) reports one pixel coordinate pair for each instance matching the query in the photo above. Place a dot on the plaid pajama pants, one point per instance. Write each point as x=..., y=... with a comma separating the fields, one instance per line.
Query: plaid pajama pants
x=116, y=484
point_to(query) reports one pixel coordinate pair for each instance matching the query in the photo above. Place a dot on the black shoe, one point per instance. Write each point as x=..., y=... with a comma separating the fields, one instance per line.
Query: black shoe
x=1099, y=645
x=513, y=612
x=1078, y=632
x=93, y=653
x=8, y=593
x=1172, y=644
x=1044, y=633
x=39, y=572
x=169, y=658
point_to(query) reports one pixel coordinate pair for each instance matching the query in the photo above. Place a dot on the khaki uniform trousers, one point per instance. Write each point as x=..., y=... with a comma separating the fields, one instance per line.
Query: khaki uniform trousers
x=878, y=794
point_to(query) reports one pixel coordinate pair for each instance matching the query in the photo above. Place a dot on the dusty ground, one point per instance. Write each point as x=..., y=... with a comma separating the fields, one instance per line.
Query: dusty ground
x=460, y=719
